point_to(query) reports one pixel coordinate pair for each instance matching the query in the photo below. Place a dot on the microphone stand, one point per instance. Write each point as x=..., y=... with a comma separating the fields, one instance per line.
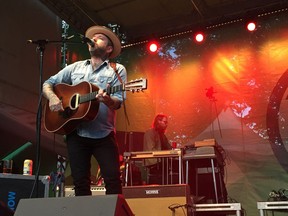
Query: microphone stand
x=210, y=94
x=41, y=47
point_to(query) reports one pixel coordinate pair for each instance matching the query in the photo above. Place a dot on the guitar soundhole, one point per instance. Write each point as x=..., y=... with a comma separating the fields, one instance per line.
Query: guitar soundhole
x=71, y=109
x=74, y=102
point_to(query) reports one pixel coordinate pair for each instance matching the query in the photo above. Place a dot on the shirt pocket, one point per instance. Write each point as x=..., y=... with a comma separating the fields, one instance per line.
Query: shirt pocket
x=104, y=79
x=77, y=77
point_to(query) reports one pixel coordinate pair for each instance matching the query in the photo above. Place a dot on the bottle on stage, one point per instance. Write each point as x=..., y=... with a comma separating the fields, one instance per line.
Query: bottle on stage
x=27, y=167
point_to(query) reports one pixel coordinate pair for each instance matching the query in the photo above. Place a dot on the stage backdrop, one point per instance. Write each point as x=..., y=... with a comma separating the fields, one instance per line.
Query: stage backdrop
x=232, y=87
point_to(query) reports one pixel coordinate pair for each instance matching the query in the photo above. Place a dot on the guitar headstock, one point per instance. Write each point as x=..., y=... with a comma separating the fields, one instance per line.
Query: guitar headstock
x=136, y=85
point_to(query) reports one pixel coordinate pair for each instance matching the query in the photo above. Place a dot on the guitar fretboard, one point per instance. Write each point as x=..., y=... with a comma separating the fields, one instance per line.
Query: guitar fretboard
x=92, y=96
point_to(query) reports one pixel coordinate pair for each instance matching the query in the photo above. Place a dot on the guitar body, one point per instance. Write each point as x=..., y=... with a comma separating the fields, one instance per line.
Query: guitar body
x=80, y=104
x=64, y=122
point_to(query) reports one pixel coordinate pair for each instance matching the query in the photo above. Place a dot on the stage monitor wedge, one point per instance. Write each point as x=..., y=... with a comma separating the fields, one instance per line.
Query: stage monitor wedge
x=102, y=205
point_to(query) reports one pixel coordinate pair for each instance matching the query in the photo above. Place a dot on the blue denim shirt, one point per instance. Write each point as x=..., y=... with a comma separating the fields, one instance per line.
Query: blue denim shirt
x=80, y=71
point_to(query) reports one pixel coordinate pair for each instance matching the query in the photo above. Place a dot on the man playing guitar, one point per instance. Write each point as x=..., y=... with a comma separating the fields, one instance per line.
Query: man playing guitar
x=95, y=137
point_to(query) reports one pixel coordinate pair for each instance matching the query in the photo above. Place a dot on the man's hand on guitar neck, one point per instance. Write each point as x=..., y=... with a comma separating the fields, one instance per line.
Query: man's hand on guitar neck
x=111, y=102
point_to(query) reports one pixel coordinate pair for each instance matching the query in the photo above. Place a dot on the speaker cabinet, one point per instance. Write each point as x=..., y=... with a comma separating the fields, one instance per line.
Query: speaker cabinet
x=102, y=205
x=155, y=200
x=14, y=187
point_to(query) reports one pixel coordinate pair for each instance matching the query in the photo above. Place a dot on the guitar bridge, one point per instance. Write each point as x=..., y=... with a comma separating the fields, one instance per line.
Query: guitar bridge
x=67, y=113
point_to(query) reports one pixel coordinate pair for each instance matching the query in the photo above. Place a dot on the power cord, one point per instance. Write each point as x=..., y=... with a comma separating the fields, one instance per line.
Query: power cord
x=175, y=206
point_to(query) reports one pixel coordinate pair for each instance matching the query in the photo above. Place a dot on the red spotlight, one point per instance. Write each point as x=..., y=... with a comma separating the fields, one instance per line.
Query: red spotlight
x=199, y=37
x=251, y=26
x=153, y=46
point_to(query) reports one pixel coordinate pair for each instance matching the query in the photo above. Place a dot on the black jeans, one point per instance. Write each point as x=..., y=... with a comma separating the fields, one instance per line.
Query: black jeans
x=105, y=150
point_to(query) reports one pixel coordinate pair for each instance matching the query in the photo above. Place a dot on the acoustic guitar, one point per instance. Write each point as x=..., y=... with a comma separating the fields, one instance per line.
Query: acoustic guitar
x=80, y=104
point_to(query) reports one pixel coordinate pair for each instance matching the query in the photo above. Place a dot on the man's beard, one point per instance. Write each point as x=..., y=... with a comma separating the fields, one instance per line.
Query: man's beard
x=98, y=52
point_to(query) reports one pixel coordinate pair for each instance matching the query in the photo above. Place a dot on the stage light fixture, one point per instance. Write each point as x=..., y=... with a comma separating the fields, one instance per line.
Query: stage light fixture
x=153, y=46
x=251, y=26
x=199, y=37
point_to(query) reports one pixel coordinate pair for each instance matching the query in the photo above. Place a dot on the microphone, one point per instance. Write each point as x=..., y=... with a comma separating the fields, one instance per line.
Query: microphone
x=88, y=41
x=38, y=41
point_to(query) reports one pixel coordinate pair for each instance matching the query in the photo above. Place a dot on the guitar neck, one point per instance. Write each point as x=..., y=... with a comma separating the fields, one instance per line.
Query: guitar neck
x=92, y=96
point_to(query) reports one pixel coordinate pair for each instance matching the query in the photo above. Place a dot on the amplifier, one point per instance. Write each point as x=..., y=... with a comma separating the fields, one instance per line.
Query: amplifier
x=96, y=190
x=164, y=200
x=14, y=187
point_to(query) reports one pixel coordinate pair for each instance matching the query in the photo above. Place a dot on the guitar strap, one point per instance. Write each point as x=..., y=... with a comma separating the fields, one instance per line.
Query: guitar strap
x=113, y=65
